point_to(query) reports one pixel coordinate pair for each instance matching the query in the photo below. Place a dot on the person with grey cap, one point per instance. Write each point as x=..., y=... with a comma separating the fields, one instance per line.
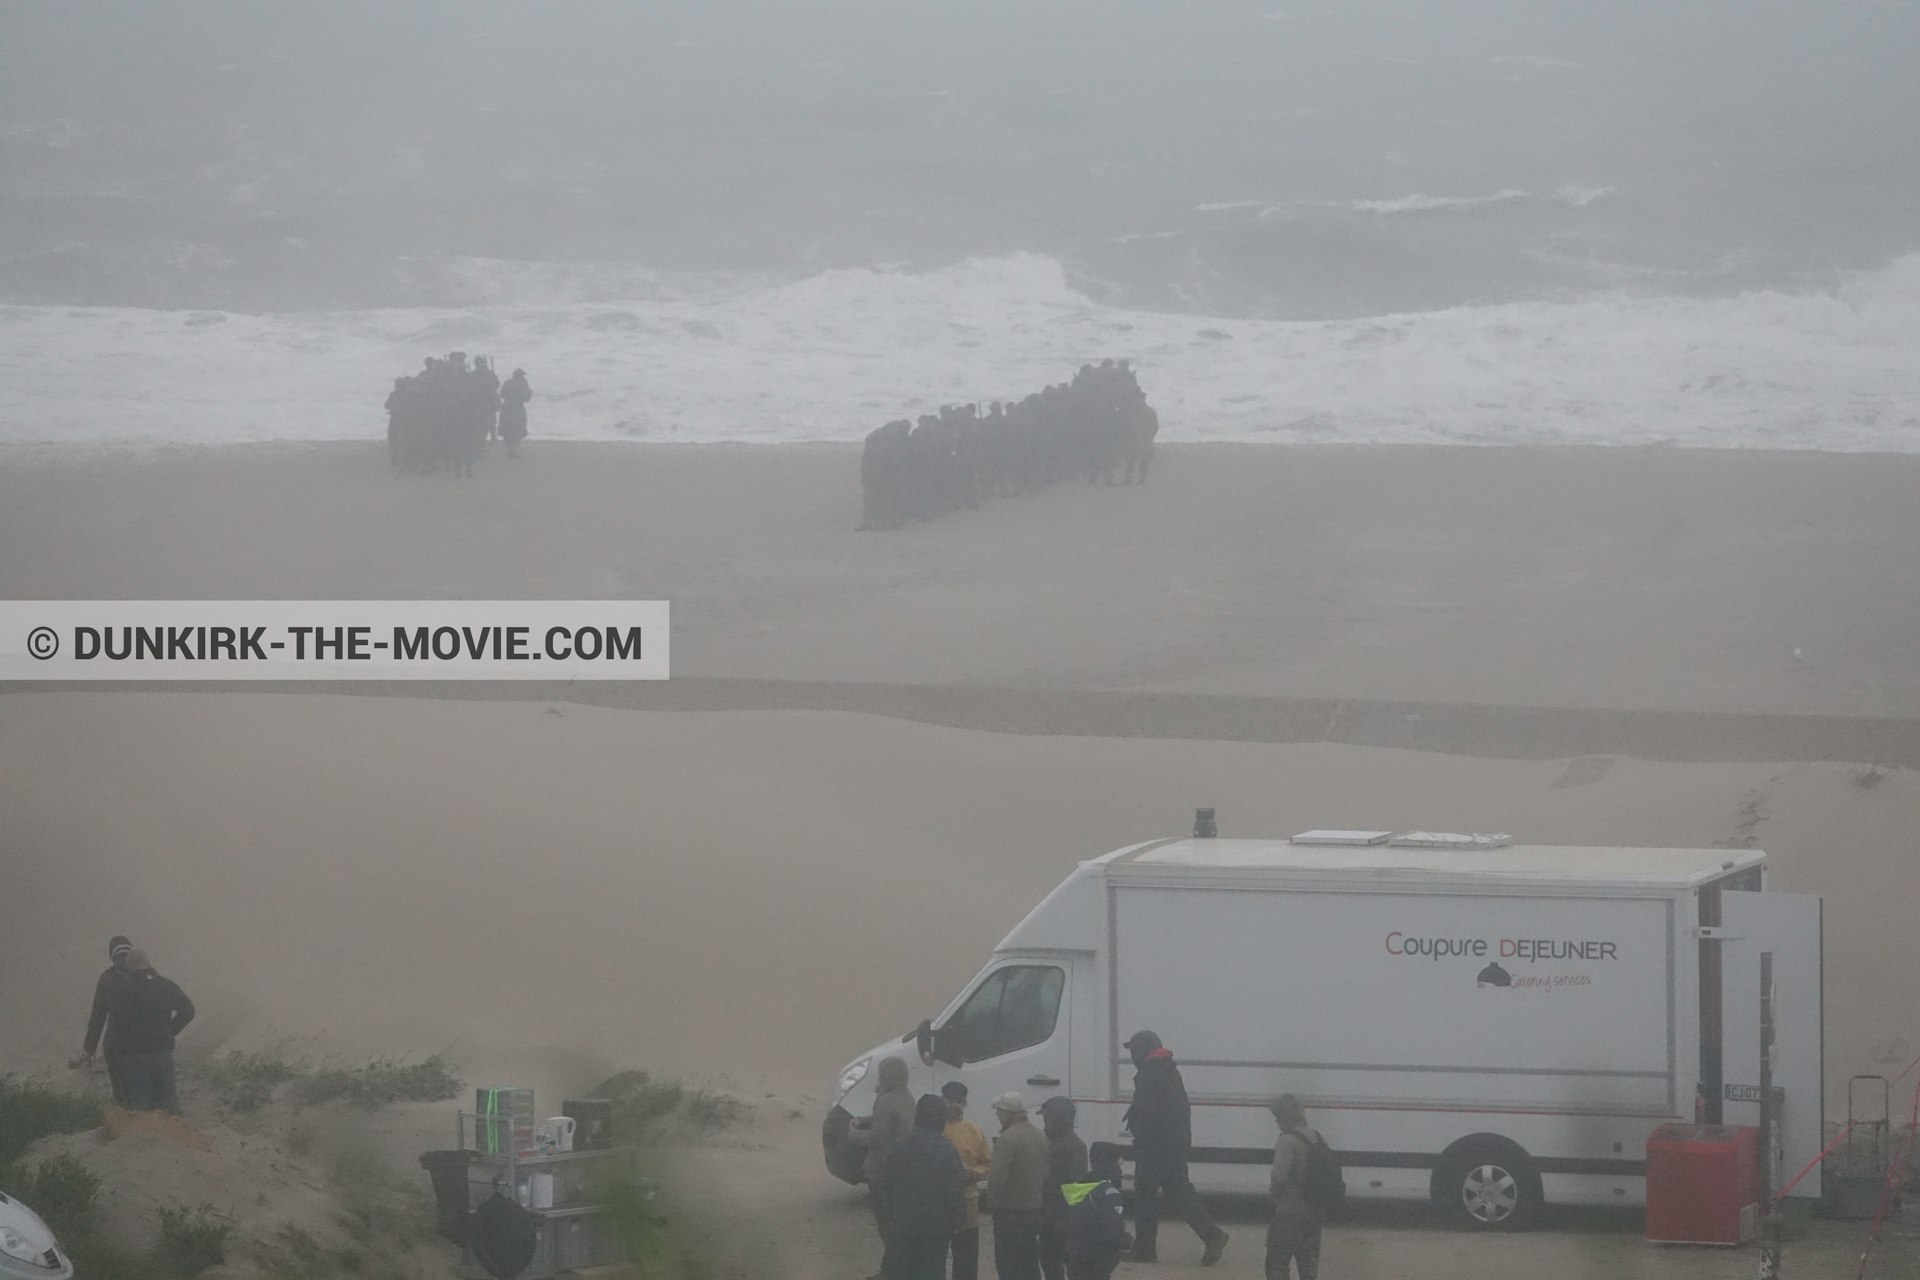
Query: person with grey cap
x=106, y=991
x=1016, y=1182
x=1161, y=1122
x=1295, y=1234
x=1066, y=1162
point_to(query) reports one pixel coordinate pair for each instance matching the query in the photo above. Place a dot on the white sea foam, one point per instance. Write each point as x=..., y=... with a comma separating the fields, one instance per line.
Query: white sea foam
x=827, y=357
x=1418, y=203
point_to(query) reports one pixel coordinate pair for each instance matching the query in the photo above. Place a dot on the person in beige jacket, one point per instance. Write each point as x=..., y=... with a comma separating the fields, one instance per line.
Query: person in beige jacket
x=1295, y=1234
x=1015, y=1181
x=892, y=1119
x=967, y=1139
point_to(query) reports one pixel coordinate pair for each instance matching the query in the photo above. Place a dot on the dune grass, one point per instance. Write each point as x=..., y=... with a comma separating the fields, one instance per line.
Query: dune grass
x=31, y=1109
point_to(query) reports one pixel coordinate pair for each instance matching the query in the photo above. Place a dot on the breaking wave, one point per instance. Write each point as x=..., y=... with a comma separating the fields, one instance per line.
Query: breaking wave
x=621, y=353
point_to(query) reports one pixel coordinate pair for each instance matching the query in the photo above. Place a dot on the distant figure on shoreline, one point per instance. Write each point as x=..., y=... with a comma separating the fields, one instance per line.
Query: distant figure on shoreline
x=513, y=411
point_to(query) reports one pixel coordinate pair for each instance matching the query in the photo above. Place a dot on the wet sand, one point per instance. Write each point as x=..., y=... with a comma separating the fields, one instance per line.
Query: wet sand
x=1635, y=579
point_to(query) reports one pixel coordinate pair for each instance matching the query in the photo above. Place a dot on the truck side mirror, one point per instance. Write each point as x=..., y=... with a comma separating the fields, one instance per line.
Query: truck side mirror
x=923, y=1040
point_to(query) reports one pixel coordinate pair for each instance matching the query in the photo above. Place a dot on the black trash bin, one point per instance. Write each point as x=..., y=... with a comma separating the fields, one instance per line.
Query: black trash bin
x=448, y=1169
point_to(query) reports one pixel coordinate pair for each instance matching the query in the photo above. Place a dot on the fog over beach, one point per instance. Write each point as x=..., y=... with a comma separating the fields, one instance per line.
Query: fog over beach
x=1538, y=402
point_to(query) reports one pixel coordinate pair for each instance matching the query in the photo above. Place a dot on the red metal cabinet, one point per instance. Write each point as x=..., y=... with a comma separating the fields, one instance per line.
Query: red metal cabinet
x=1703, y=1184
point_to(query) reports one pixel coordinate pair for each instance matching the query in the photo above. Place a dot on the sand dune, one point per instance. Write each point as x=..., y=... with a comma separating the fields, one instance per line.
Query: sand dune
x=550, y=890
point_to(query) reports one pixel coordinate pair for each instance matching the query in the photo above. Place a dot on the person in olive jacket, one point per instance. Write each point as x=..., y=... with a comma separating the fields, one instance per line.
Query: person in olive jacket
x=1294, y=1236
x=891, y=1120
x=1016, y=1186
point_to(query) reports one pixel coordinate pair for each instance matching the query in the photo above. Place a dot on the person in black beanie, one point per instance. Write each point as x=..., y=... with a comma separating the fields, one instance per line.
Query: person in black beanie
x=106, y=990
x=1161, y=1122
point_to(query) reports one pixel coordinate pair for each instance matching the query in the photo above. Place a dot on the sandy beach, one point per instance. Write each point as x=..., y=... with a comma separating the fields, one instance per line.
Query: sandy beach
x=881, y=749
x=1656, y=579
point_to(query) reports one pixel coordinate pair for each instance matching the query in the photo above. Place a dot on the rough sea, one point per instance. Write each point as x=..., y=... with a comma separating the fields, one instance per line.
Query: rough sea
x=1490, y=222
x=700, y=357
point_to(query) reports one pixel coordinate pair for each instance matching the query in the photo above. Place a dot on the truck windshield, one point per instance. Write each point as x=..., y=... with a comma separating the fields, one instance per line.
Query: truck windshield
x=1015, y=1008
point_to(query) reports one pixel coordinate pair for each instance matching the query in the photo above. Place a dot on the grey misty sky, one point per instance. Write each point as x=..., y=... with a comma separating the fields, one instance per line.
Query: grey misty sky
x=766, y=135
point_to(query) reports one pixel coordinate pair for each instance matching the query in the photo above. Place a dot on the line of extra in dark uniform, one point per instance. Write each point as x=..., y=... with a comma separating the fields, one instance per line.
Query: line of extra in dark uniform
x=1099, y=426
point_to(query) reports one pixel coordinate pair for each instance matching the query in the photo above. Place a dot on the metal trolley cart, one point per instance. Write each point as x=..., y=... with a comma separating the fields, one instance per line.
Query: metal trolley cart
x=555, y=1188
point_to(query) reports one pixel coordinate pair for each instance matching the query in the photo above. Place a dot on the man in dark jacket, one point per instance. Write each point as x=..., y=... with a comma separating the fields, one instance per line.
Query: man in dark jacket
x=925, y=1189
x=1096, y=1218
x=106, y=990
x=1161, y=1122
x=149, y=1012
x=1066, y=1162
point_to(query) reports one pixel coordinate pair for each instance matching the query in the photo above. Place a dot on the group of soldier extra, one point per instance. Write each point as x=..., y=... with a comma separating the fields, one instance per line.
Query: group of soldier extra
x=1098, y=426
x=444, y=415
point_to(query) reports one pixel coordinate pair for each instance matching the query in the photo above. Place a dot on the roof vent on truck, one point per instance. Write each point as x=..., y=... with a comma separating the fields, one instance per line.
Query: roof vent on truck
x=1450, y=840
x=1406, y=839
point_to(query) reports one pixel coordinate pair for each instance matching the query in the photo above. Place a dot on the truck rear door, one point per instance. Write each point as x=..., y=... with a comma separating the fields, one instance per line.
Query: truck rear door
x=1788, y=925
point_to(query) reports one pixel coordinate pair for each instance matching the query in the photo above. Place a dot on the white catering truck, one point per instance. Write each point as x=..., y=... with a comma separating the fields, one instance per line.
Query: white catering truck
x=1489, y=1025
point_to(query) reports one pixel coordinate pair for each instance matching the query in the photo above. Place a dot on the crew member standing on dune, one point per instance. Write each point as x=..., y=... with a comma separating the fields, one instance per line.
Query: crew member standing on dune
x=106, y=992
x=1161, y=1121
x=514, y=394
x=150, y=1012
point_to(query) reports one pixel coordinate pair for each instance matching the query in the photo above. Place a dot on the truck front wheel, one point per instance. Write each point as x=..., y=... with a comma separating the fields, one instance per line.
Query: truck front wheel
x=845, y=1161
x=1487, y=1186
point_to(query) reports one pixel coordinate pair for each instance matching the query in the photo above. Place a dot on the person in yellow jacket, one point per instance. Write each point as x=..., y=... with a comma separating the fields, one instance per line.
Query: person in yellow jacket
x=977, y=1156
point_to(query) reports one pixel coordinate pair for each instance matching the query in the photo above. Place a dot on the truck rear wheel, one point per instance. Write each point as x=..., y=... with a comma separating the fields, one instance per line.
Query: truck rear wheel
x=1487, y=1185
